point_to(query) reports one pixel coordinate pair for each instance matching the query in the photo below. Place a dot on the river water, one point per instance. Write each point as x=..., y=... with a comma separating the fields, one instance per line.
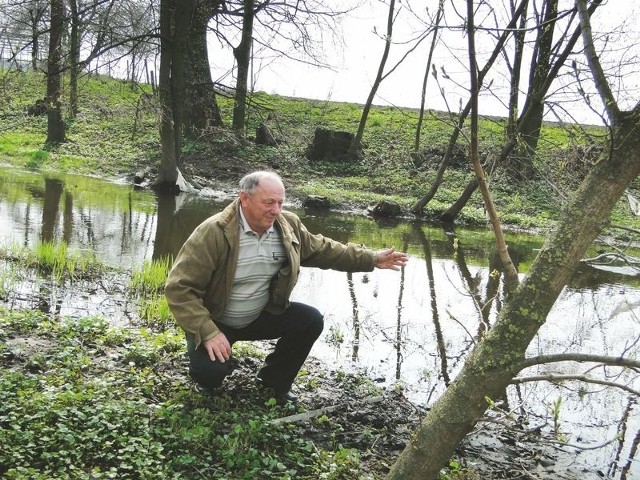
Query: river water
x=412, y=328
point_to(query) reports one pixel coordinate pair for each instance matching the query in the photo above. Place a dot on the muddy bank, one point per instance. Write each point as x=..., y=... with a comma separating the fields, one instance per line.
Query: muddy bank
x=378, y=423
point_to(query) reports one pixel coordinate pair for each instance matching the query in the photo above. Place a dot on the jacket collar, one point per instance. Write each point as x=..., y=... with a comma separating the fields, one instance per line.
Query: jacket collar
x=229, y=214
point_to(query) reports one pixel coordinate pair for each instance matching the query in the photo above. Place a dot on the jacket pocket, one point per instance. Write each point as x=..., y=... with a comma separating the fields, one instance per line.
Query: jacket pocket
x=280, y=286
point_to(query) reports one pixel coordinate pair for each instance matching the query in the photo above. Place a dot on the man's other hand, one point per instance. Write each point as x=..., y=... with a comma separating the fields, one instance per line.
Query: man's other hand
x=218, y=348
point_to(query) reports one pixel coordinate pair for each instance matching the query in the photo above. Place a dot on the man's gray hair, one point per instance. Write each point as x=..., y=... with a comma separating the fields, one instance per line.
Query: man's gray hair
x=250, y=182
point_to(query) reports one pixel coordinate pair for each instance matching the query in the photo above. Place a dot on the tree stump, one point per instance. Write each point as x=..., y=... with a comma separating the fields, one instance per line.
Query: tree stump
x=264, y=136
x=330, y=146
x=386, y=209
x=316, y=202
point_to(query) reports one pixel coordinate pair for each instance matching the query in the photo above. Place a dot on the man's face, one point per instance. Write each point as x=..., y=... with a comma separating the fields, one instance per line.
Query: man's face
x=262, y=208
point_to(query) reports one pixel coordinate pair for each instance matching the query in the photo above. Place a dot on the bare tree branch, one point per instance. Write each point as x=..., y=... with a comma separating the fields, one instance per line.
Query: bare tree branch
x=556, y=378
x=511, y=274
x=579, y=357
x=599, y=78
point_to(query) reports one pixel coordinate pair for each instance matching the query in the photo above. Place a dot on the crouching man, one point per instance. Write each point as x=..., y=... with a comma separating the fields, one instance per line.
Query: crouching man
x=233, y=277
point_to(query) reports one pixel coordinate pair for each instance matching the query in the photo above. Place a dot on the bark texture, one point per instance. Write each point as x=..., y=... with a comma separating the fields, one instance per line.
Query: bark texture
x=529, y=131
x=175, y=18
x=168, y=170
x=201, y=110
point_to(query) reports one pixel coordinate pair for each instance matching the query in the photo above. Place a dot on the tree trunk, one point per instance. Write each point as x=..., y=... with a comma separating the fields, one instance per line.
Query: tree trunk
x=74, y=59
x=496, y=360
x=168, y=172
x=182, y=22
x=354, y=149
x=55, y=124
x=242, y=54
x=175, y=17
x=202, y=109
x=511, y=275
x=451, y=213
x=434, y=40
x=521, y=164
x=516, y=68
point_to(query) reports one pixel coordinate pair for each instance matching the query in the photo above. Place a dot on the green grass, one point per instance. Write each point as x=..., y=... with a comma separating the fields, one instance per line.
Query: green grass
x=8, y=279
x=18, y=147
x=154, y=311
x=147, y=285
x=52, y=258
x=55, y=258
x=150, y=279
x=87, y=192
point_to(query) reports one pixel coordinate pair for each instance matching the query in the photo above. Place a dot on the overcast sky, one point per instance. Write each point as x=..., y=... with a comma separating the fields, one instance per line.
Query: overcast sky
x=355, y=66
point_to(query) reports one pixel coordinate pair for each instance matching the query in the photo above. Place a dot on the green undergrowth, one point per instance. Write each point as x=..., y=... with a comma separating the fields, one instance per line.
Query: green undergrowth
x=83, y=399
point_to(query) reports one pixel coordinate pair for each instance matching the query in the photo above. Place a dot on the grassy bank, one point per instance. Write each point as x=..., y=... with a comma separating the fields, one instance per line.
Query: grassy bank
x=116, y=134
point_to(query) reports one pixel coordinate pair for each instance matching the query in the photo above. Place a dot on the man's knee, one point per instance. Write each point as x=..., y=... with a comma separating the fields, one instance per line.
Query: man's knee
x=315, y=322
x=207, y=373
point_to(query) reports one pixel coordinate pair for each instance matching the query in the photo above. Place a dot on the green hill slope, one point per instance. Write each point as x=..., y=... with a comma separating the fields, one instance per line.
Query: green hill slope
x=115, y=134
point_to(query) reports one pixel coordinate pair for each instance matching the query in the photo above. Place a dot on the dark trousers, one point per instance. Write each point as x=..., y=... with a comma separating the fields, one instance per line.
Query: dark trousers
x=296, y=329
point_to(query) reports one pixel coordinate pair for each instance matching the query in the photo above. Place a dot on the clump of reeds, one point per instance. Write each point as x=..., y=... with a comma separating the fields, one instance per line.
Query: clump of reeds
x=155, y=311
x=148, y=285
x=8, y=279
x=54, y=258
x=152, y=277
x=57, y=259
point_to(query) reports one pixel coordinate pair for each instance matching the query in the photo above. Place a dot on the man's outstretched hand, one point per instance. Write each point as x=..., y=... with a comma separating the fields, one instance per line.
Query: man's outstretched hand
x=390, y=259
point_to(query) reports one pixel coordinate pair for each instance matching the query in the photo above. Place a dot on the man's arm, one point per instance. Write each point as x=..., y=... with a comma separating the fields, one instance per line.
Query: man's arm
x=187, y=284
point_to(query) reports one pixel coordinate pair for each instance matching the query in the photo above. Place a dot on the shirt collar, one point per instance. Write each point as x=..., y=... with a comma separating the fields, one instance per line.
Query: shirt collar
x=244, y=225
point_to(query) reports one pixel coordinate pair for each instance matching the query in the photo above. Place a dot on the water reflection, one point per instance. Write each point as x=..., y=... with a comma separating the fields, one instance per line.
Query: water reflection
x=435, y=315
x=415, y=327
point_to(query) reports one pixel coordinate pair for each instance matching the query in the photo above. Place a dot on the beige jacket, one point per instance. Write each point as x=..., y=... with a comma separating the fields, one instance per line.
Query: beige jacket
x=201, y=278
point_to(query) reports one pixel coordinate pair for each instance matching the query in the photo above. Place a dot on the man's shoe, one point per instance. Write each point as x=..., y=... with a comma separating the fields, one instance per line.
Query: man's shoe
x=285, y=396
x=282, y=396
x=210, y=391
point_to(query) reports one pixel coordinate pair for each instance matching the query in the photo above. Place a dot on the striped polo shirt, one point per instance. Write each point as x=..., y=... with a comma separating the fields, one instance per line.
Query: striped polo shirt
x=259, y=259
